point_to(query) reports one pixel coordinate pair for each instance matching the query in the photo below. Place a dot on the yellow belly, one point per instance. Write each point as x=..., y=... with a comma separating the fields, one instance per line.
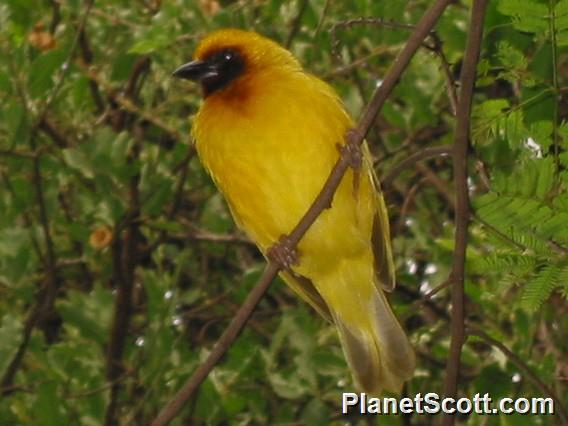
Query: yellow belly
x=269, y=140
x=271, y=163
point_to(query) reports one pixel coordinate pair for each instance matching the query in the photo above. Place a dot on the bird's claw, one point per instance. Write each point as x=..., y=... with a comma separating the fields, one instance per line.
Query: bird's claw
x=283, y=253
x=351, y=149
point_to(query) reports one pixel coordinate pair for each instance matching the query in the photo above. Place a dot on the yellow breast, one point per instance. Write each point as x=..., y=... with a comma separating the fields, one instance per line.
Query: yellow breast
x=269, y=144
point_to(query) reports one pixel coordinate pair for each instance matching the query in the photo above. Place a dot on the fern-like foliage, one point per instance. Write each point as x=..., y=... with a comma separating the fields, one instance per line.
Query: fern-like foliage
x=539, y=18
x=525, y=214
x=528, y=208
x=563, y=281
x=537, y=290
x=496, y=120
x=527, y=15
x=523, y=202
x=561, y=23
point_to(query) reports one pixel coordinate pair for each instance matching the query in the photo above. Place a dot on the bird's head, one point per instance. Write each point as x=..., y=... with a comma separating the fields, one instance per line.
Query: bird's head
x=226, y=56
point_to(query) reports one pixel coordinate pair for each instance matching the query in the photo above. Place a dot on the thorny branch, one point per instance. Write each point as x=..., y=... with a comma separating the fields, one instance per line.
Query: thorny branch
x=462, y=215
x=323, y=200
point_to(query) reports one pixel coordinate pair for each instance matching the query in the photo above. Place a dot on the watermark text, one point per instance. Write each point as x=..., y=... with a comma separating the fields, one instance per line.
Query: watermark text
x=432, y=403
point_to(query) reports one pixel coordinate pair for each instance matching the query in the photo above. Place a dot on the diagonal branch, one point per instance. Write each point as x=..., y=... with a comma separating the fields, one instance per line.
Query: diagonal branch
x=462, y=215
x=296, y=24
x=128, y=105
x=426, y=153
x=525, y=369
x=45, y=299
x=322, y=201
x=65, y=68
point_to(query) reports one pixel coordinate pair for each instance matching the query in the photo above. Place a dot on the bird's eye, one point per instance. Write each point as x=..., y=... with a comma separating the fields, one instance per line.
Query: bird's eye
x=227, y=64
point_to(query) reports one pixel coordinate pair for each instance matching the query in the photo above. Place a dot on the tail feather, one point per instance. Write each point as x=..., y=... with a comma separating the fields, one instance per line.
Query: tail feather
x=380, y=357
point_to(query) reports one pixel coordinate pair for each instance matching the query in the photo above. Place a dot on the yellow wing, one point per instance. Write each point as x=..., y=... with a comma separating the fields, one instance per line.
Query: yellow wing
x=269, y=141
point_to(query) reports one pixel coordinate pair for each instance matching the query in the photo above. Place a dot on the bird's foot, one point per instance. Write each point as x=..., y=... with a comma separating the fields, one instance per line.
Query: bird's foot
x=351, y=149
x=283, y=253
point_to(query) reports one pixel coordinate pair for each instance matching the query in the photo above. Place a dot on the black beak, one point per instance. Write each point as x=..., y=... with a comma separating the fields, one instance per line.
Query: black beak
x=196, y=71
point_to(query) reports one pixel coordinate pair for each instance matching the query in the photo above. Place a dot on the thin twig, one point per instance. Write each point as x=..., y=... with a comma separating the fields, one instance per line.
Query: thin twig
x=221, y=346
x=78, y=248
x=182, y=172
x=49, y=285
x=525, y=369
x=56, y=135
x=419, y=301
x=66, y=65
x=124, y=266
x=504, y=237
x=35, y=313
x=361, y=21
x=462, y=216
x=438, y=183
x=27, y=220
x=435, y=151
x=436, y=48
x=436, y=290
x=322, y=18
x=557, y=247
x=125, y=250
x=361, y=61
x=212, y=238
x=296, y=23
x=555, y=85
x=55, y=15
x=129, y=106
x=46, y=296
x=20, y=154
x=409, y=197
x=87, y=56
x=322, y=201
x=181, y=169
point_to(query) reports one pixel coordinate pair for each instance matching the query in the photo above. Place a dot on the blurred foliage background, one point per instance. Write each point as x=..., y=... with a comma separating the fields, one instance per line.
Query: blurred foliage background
x=120, y=264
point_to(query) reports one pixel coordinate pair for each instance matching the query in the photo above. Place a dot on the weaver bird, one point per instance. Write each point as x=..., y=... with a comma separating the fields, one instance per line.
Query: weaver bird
x=268, y=133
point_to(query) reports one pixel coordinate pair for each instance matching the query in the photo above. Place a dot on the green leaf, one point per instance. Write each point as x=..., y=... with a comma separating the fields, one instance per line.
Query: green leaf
x=90, y=316
x=316, y=413
x=43, y=71
x=10, y=339
x=510, y=56
x=539, y=288
x=561, y=22
x=154, y=39
x=47, y=408
x=77, y=159
x=541, y=132
x=527, y=15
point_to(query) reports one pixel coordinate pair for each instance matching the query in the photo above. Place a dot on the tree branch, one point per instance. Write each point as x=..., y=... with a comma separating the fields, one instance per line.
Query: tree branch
x=130, y=106
x=296, y=24
x=46, y=296
x=65, y=68
x=462, y=215
x=435, y=151
x=322, y=201
x=125, y=256
x=87, y=56
x=525, y=369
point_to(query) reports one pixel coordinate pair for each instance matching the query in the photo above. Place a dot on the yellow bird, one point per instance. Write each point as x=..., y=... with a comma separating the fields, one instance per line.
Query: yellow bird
x=268, y=134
